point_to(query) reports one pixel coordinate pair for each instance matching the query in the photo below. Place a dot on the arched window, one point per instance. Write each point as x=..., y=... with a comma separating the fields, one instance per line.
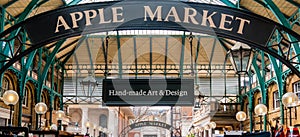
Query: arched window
x=103, y=121
x=276, y=100
x=296, y=86
x=5, y=86
x=24, y=103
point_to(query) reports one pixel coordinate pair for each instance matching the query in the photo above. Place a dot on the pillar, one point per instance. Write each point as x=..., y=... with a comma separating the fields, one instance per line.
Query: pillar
x=84, y=119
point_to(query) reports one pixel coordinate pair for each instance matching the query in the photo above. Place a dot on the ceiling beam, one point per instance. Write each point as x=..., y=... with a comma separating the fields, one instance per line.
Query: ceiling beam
x=89, y=53
x=294, y=3
x=74, y=2
x=229, y=3
x=9, y=3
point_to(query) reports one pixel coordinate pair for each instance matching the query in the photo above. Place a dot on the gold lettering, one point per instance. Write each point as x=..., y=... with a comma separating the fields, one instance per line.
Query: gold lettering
x=61, y=22
x=173, y=13
x=223, y=21
x=149, y=12
x=89, y=16
x=206, y=18
x=187, y=15
x=74, y=19
x=116, y=14
x=102, y=18
x=242, y=24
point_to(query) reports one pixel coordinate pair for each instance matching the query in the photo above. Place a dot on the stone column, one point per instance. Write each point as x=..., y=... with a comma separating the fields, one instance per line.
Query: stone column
x=112, y=124
x=84, y=119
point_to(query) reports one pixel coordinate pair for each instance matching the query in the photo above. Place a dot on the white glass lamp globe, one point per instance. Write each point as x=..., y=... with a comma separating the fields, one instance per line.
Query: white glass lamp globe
x=206, y=127
x=41, y=108
x=201, y=129
x=197, y=130
x=10, y=97
x=289, y=99
x=88, y=124
x=105, y=130
x=260, y=109
x=240, y=116
x=100, y=128
x=212, y=125
x=60, y=114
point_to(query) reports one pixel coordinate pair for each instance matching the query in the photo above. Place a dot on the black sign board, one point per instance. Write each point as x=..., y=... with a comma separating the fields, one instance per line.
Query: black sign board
x=150, y=123
x=150, y=15
x=148, y=92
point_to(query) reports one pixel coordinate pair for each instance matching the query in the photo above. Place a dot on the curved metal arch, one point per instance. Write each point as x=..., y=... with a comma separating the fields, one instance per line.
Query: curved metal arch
x=172, y=26
x=145, y=124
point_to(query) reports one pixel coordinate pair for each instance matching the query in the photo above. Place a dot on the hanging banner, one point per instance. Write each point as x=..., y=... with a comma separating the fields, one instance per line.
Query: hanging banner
x=148, y=92
x=149, y=15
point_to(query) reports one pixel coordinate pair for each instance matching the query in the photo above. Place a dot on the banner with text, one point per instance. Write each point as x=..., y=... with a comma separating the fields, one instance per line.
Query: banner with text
x=149, y=15
x=148, y=92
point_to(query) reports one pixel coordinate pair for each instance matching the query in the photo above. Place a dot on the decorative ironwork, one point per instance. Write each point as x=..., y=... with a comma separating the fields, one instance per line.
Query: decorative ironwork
x=145, y=68
x=72, y=99
x=282, y=50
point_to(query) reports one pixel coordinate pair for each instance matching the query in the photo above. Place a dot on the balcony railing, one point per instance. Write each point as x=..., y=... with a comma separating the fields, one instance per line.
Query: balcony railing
x=216, y=106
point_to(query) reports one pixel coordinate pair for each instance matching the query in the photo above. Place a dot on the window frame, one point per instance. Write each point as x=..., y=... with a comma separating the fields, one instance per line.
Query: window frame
x=259, y=100
x=276, y=100
x=104, y=122
x=25, y=100
x=5, y=86
x=296, y=88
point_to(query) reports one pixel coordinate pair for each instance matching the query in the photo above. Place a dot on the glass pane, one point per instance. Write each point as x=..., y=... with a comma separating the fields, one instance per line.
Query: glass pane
x=103, y=121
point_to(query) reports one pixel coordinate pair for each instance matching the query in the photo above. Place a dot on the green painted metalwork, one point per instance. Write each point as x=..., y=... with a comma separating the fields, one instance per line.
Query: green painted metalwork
x=2, y=24
x=261, y=81
x=224, y=72
x=42, y=76
x=120, y=62
x=90, y=54
x=281, y=18
x=51, y=101
x=61, y=103
x=278, y=74
x=41, y=3
x=295, y=18
x=196, y=59
x=48, y=89
x=151, y=58
x=135, y=57
x=294, y=3
x=250, y=99
x=270, y=4
x=212, y=52
x=9, y=3
x=166, y=56
x=23, y=79
x=239, y=90
x=24, y=14
x=279, y=15
x=66, y=46
x=74, y=2
x=264, y=91
x=182, y=55
x=210, y=62
x=2, y=21
x=105, y=51
x=229, y=3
